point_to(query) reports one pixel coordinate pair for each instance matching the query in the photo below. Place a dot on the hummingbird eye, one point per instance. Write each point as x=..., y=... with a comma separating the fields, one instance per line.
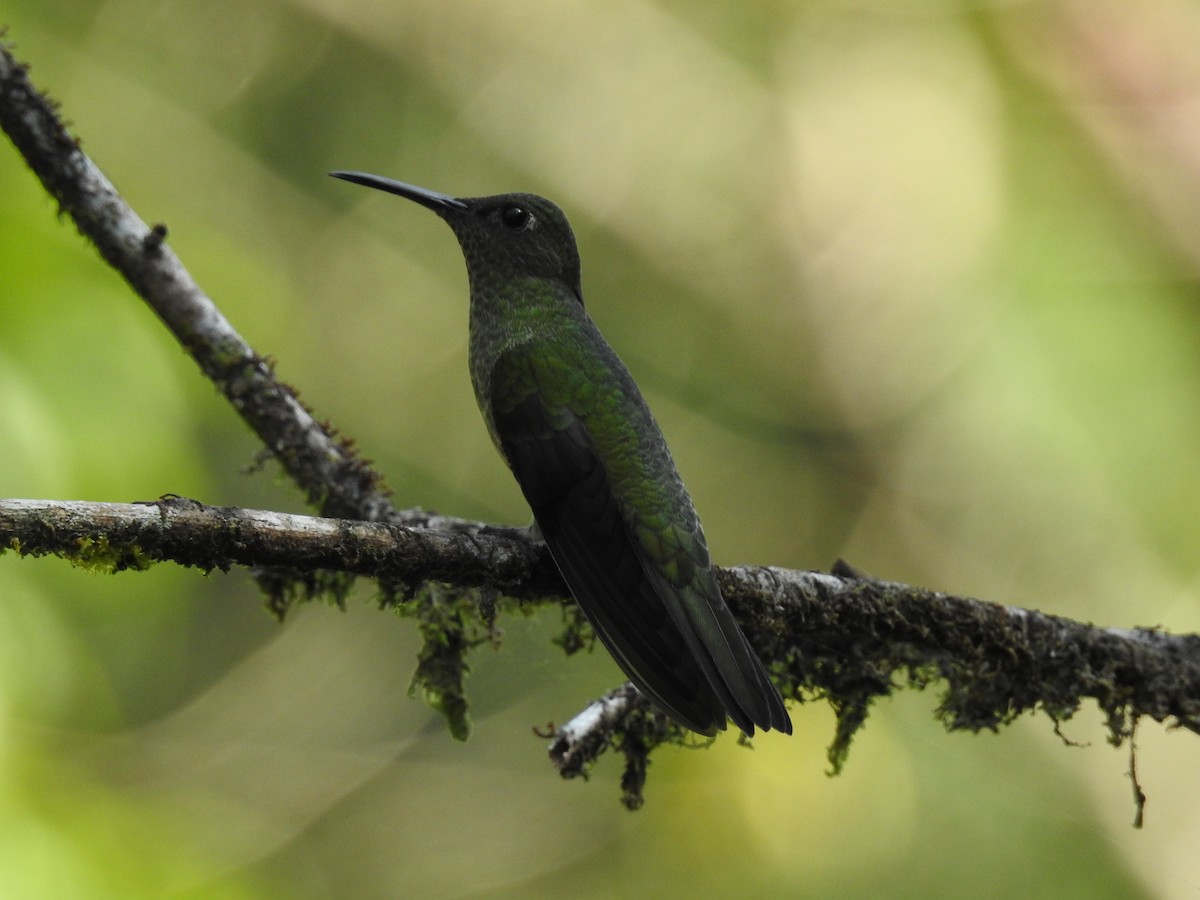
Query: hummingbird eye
x=516, y=218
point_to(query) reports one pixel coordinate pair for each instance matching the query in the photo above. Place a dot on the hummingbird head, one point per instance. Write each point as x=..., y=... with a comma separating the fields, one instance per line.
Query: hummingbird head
x=503, y=236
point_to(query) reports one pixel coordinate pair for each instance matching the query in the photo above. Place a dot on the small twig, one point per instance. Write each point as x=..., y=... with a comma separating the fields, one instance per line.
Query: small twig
x=577, y=743
x=1139, y=796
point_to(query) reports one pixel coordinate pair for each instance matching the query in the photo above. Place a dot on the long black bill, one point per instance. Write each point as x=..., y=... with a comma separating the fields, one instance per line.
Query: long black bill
x=429, y=199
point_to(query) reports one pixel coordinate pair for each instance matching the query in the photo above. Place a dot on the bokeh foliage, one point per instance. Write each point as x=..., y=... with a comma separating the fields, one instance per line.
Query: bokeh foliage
x=914, y=286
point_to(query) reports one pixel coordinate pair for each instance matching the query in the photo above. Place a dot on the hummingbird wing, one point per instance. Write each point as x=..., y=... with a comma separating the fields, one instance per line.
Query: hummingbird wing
x=636, y=565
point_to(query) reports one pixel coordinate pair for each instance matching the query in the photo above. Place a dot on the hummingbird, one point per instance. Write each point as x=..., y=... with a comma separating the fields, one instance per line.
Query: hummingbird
x=567, y=417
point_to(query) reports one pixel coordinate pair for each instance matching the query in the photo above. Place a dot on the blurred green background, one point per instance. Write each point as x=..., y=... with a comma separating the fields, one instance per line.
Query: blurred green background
x=913, y=284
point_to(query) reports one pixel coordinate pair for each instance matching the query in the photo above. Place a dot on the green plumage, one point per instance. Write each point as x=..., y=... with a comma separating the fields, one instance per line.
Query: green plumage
x=594, y=466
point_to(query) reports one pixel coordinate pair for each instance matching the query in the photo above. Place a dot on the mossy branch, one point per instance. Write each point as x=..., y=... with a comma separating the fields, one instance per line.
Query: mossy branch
x=841, y=637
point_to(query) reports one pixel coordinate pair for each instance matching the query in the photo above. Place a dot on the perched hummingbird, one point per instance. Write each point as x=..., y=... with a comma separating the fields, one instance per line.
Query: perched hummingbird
x=592, y=462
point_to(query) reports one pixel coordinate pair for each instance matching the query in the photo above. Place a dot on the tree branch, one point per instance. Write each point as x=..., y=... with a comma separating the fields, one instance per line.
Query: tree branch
x=334, y=479
x=845, y=638
x=114, y=537
x=842, y=637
